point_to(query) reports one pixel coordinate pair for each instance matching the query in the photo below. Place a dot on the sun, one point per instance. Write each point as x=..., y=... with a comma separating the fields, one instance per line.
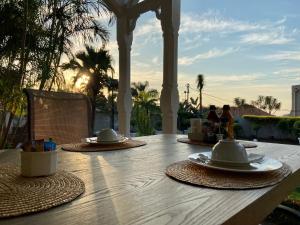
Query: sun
x=82, y=81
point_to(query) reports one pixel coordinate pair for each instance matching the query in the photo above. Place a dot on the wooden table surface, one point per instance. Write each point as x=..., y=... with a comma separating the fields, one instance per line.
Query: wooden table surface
x=130, y=187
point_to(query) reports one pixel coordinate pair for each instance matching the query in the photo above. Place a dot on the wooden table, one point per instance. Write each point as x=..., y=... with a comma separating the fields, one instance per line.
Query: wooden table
x=130, y=187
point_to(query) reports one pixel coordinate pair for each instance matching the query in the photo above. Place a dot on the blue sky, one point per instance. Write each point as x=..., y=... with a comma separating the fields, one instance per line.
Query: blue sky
x=243, y=48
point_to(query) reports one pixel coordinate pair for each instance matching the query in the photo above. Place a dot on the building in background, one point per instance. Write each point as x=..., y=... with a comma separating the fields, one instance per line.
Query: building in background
x=295, y=100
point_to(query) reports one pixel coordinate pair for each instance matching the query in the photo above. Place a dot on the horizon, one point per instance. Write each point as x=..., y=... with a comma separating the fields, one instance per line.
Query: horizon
x=243, y=50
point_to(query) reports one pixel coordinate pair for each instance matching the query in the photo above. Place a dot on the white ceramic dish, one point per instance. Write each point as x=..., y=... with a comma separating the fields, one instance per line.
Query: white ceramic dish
x=256, y=165
x=251, y=158
x=93, y=140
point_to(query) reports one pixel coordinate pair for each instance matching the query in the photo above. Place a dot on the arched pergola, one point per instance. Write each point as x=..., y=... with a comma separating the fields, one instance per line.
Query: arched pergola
x=127, y=13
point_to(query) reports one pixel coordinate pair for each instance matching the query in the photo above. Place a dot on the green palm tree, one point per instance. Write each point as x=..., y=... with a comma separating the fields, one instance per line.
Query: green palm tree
x=64, y=21
x=272, y=104
x=113, y=85
x=239, y=101
x=192, y=106
x=200, y=85
x=138, y=87
x=147, y=100
x=144, y=107
x=96, y=64
x=267, y=103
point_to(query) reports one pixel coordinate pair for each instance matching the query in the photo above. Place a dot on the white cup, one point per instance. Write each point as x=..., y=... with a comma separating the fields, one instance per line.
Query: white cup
x=34, y=164
x=107, y=135
x=229, y=151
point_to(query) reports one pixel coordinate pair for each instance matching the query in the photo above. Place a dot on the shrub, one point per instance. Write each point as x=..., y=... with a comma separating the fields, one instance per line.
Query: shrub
x=256, y=127
x=296, y=127
x=144, y=126
x=237, y=130
x=287, y=124
x=270, y=119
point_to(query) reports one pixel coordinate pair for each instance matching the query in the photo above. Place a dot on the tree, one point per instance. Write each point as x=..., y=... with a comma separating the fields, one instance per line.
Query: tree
x=200, y=85
x=96, y=64
x=18, y=47
x=194, y=101
x=267, y=103
x=34, y=35
x=113, y=85
x=144, y=97
x=192, y=105
x=66, y=20
x=296, y=128
x=259, y=103
x=239, y=101
x=184, y=114
x=138, y=87
x=144, y=107
x=272, y=104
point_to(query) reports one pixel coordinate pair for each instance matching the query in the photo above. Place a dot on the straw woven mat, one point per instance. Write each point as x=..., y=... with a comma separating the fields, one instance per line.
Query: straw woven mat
x=82, y=147
x=188, y=141
x=191, y=173
x=20, y=195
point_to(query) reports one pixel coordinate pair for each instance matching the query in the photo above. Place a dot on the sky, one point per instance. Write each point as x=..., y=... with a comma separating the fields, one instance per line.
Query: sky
x=243, y=49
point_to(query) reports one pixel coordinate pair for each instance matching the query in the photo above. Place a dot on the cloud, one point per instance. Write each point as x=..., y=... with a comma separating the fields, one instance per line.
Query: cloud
x=292, y=74
x=147, y=28
x=283, y=56
x=213, y=21
x=147, y=33
x=233, y=77
x=213, y=53
x=134, y=53
x=155, y=60
x=153, y=76
x=112, y=46
x=288, y=71
x=212, y=80
x=275, y=37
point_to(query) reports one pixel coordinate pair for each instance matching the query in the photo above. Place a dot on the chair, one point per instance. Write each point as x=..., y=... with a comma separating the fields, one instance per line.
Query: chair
x=64, y=117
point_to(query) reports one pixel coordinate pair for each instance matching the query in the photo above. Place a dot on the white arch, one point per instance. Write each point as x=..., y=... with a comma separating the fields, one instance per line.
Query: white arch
x=127, y=12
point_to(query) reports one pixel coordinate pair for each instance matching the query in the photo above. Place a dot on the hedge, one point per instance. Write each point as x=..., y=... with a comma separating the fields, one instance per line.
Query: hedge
x=288, y=124
x=271, y=119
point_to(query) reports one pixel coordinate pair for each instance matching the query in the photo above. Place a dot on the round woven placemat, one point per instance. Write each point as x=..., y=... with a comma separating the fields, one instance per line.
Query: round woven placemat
x=20, y=195
x=82, y=147
x=189, y=172
x=189, y=141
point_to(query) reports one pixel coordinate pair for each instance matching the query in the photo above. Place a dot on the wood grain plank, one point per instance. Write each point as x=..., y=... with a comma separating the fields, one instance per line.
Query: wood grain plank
x=130, y=187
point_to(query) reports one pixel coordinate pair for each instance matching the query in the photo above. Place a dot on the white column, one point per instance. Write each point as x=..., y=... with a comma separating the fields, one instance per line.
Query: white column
x=169, y=100
x=124, y=101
